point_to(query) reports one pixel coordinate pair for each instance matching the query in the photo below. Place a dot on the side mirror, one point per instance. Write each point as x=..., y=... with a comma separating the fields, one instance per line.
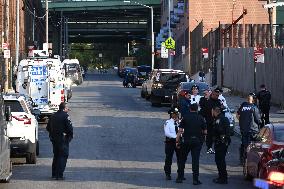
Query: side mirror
x=8, y=114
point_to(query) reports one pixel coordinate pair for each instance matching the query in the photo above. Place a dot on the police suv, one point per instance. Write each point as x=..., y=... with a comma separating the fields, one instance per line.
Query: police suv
x=44, y=81
x=22, y=130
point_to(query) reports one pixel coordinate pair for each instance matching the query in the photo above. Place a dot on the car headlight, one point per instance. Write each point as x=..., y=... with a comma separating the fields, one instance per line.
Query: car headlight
x=157, y=85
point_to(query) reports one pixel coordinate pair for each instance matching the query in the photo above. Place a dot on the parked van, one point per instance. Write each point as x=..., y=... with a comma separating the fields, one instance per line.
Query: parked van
x=73, y=71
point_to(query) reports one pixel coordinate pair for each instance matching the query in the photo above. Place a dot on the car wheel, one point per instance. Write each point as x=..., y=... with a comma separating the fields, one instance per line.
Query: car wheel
x=31, y=158
x=37, y=148
x=246, y=174
x=142, y=94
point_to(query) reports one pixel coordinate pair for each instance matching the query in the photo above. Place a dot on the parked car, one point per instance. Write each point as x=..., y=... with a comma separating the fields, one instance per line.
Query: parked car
x=275, y=172
x=186, y=87
x=161, y=84
x=23, y=129
x=259, y=152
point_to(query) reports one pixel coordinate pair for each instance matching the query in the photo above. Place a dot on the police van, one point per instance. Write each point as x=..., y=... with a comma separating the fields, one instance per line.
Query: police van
x=73, y=71
x=5, y=162
x=42, y=78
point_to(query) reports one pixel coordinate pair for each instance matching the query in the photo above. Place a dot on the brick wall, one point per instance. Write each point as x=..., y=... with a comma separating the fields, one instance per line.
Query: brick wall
x=213, y=11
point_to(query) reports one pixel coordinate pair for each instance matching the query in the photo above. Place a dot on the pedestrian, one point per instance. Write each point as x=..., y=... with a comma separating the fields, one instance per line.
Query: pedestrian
x=222, y=98
x=249, y=121
x=195, y=97
x=203, y=101
x=209, y=105
x=60, y=133
x=171, y=129
x=264, y=97
x=193, y=130
x=222, y=140
x=184, y=102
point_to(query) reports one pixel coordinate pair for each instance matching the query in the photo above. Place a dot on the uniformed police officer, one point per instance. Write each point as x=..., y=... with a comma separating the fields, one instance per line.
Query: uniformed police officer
x=195, y=97
x=264, y=98
x=193, y=129
x=184, y=102
x=60, y=133
x=208, y=106
x=170, y=129
x=221, y=138
x=249, y=121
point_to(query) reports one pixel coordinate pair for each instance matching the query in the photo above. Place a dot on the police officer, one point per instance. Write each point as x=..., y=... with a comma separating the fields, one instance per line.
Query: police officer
x=193, y=129
x=249, y=121
x=221, y=138
x=184, y=102
x=208, y=106
x=60, y=133
x=170, y=129
x=203, y=101
x=264, y=98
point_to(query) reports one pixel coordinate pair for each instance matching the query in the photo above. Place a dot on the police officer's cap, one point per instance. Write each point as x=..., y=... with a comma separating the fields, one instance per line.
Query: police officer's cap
x=252, y=94
x=195, y=87
x=173, y=111
x=218, y=90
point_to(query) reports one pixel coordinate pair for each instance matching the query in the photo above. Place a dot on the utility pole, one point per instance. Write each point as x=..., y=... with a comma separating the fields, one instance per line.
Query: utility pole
x=17, y=32
x=170, y=34
x=46, y=14
x=152, y=40
x=6, y=40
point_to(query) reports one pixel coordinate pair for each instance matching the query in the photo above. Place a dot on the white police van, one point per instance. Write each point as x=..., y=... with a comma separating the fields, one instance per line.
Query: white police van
x=43, y=79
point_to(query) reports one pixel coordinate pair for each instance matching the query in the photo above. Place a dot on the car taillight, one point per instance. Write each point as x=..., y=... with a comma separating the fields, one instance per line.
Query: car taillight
x=23, y=118
x=18, y=118
x=276, y=178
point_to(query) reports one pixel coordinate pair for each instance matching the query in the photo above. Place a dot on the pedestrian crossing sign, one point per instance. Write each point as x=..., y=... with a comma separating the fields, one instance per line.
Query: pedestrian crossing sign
x=170, y=43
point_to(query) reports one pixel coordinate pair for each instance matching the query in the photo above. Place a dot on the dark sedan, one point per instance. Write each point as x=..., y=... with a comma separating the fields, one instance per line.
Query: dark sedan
x=259, y=152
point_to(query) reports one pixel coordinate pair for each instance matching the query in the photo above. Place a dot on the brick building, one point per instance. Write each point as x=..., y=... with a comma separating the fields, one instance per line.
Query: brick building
x=210, y=13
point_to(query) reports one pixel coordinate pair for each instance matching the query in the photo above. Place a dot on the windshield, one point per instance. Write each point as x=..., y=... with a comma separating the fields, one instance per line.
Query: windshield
x=202, y=87
x=72, y=68
x=172, y=77
x=15, y=105
x=279, y=134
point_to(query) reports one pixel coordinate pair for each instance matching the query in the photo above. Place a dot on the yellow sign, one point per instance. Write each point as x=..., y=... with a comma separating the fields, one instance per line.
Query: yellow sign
x=170, y=43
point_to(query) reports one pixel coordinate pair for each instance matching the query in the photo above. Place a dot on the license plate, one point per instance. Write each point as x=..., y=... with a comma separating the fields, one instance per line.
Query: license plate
x=263, y=184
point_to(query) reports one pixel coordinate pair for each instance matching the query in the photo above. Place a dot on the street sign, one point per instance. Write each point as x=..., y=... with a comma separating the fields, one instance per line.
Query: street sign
x=170, y=43
x=100, y=55
x=258, y=55
x=5, y=46
x=205, y=52
x=7, y=54
x=164, y=51
x=183, y=49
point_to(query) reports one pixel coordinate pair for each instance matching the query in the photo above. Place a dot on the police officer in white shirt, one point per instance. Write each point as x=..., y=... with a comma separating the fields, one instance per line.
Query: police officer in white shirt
x=171, y=129
x=195, y=97
x=222, y=98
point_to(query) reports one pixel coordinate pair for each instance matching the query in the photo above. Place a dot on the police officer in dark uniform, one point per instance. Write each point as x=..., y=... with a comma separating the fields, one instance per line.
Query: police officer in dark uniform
x=193, y=129
x=264, y=98
x=207, y=113
x=60, y=133
x=184, y=102
x=249, y=121
x=221, y=138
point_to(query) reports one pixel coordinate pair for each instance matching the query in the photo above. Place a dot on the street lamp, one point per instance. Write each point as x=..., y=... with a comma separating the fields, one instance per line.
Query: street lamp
x=152, y=28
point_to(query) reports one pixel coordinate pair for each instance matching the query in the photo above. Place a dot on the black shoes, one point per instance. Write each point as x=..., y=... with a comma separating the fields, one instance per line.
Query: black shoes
x=60, y=178
x=168, y=177
x=220, y=181
x=196, y=182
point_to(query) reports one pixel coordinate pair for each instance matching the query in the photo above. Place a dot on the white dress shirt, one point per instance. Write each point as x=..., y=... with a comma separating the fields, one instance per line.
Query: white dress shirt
x=170, y=128
x=195, y=99
x=223, y=100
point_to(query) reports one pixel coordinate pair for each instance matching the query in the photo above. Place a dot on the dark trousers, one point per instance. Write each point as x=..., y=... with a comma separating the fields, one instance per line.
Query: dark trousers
x=265, y=116
x=170, y=148
x=220, y=159
x=209, y=137
x=246, y=140
x=60, y=156
x=194, y=146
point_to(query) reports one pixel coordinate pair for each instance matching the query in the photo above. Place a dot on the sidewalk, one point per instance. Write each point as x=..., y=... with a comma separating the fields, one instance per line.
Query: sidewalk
x=234, y=103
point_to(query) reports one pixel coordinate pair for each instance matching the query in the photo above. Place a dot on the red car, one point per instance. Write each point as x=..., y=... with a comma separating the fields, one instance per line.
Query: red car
x=275, y=172
x=259, y=152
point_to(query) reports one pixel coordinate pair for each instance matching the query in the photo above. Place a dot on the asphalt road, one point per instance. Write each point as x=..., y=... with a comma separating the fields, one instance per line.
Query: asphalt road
x=118, y=143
